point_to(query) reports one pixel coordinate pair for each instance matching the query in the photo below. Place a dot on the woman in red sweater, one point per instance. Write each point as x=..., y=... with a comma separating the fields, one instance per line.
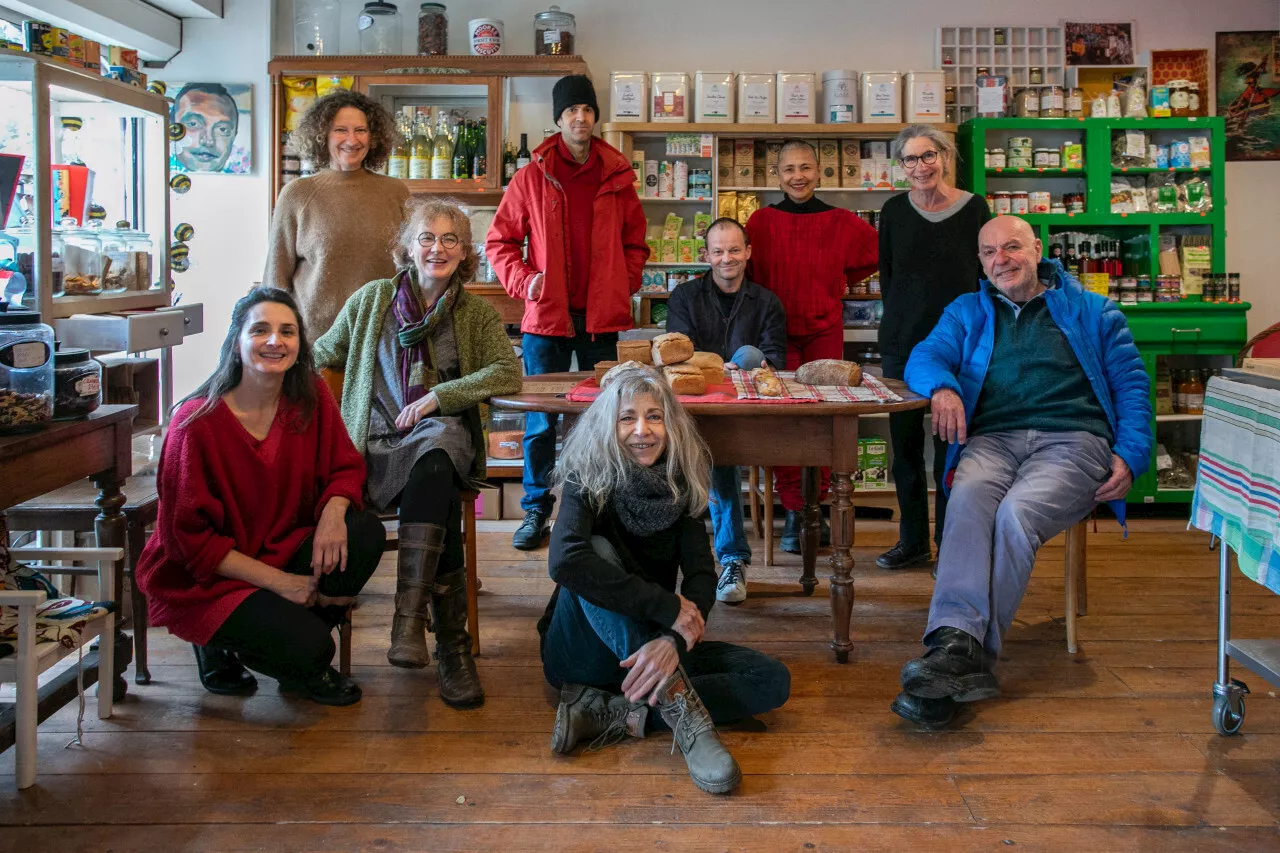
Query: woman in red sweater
x=261, y=544
x=808, y=253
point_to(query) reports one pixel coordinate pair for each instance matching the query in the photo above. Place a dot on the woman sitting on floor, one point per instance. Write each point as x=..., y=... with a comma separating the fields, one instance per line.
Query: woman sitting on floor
x=617, y=638
x=261, y=544
x=420, y=354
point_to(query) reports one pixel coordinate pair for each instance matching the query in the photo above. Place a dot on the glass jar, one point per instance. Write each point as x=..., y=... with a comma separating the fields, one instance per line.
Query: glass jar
x=77, y=384
x=13, y=281
x=1179, y=98
x=1074, y=106
x=1026, y=103
x=82, y=263
x=1035, y=75
x=115, y=260
x=1002, y=203
x=1193, y=99
x=26, y=372
x=1145, y=293
x=1019, y=203
x=554, y=33
x=998, y=159
x=379, y=25
x=1052, y=102
x=433, y=30
x=316, y=26
x=138, y=244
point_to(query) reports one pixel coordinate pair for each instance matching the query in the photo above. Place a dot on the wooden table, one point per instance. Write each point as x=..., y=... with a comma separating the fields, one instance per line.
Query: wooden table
x=804, y=434
x=98, y=448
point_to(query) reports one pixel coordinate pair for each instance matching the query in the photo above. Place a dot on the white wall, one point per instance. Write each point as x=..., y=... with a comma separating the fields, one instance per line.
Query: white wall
x=230, y=213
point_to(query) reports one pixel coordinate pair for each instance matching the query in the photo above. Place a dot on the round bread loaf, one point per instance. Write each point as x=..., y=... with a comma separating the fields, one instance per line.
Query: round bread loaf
x=829, y=371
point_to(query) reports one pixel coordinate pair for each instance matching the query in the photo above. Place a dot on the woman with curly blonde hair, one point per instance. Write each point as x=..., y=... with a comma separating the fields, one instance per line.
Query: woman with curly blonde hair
x=333, y=231
x=617, y=638
x=420, y=354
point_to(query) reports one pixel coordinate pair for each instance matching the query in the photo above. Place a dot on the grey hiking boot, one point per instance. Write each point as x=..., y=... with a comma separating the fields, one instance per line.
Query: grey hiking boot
x=586, y=713
x=711, y=766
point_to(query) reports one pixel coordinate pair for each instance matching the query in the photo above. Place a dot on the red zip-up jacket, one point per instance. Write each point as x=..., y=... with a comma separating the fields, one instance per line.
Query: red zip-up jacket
x=534, y=206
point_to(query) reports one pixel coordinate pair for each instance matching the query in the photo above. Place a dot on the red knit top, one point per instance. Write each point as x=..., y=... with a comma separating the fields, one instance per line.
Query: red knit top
x=222, y=489
x=808, y=259
x=581, y=185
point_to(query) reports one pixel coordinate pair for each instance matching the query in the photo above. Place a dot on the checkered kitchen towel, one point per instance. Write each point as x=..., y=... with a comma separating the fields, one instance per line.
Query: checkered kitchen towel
x=871, y=390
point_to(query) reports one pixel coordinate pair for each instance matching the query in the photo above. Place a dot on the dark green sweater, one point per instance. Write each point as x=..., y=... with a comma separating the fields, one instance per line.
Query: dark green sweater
x=1034, y=380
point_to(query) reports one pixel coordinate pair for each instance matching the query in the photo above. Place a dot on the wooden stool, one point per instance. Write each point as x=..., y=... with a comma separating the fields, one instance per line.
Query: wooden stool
x=1076, y=579
x=73, y=508
x=760, y=494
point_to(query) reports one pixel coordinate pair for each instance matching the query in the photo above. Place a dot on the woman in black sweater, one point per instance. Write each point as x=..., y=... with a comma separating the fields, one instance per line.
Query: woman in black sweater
x=617, y=638
x=928, y=257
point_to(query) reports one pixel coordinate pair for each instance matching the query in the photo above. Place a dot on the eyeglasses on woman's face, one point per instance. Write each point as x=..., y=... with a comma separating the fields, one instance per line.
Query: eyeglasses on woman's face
x=928, y=158
x=449, y=241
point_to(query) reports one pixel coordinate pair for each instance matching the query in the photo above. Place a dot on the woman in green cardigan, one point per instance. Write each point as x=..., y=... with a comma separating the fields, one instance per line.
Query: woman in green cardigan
x=419, y=355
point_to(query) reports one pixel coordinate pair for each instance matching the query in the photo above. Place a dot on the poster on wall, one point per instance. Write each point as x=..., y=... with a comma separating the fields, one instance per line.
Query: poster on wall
x=1099, y=44
x=1249, y=94
x=217, y=119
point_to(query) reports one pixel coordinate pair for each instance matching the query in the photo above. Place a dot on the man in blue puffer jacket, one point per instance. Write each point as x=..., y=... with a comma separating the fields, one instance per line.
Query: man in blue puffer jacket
x=1038, y=388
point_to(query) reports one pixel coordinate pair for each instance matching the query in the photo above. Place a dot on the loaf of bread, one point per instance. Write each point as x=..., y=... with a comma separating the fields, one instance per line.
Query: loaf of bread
x=829, y=371
x=704, y=360
x=671, y=348
x=603, y=367
x=608, y=376
x=767, y=382
x=635, y=351
x=713, y=375
x=685, y=379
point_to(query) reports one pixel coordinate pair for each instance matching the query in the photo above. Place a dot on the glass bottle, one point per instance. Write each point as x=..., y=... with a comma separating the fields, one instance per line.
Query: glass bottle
x=508, y=163
x=420, y=151
x=1194, y=394
x=480, y=152
x=398, y=162
x=523, y=157
x=442, y=152
x=1179, y=392
x=462, y=152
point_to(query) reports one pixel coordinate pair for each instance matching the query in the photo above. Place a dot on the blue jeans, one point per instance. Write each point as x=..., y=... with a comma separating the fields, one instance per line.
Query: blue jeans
x=546, y=354
x=584, y=644
x=726, y=489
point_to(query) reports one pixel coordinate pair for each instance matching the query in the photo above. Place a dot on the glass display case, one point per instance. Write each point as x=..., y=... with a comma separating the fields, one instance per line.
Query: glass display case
x=84, y=140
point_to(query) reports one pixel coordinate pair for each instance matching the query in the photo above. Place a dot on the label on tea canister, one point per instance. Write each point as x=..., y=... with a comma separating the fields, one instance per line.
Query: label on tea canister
x=884, y=100
x=757, y=101
x=795, y=100
x=715, y=101
x=928, y=100
x=628, y=100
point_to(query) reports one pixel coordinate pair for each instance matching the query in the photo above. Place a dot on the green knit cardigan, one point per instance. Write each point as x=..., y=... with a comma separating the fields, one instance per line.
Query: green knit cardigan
x=487, y=362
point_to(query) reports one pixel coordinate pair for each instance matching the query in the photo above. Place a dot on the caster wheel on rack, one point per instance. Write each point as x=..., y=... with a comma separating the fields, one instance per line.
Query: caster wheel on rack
x=1226, y=721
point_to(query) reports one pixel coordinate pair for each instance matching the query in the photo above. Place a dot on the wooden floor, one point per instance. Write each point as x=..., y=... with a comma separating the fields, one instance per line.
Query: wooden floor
x=1109, y=749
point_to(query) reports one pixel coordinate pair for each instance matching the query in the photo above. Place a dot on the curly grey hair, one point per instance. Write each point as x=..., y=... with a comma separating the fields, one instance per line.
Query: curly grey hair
x=421, y=209
x=946, y=148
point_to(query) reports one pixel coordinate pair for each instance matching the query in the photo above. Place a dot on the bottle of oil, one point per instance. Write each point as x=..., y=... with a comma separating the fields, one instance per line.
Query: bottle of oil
x=398, y=162
x=420, y=150
x=442, y=152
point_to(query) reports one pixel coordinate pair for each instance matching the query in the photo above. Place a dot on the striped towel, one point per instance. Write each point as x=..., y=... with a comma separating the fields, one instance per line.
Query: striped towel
x=871, y=390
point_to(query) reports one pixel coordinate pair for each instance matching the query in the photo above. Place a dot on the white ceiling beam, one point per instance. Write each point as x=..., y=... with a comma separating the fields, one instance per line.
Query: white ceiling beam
x=190, y=8
x=154, y=34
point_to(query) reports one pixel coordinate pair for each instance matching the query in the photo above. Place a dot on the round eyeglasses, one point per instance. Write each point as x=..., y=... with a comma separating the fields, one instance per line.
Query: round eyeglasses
x=928, y=158
x=449, y=241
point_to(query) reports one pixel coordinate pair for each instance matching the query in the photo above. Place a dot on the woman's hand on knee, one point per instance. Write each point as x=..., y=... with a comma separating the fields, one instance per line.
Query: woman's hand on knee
x=416, y=411
x=329, y=544
x=649, y=667
x=300, y=589
x=689, y=622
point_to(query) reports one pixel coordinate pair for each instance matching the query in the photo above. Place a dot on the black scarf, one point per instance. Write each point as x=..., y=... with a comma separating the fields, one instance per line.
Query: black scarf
x=644, y=502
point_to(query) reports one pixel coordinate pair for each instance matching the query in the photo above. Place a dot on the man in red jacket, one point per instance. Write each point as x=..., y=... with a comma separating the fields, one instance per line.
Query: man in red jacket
x=576, y=204
x=807, y=252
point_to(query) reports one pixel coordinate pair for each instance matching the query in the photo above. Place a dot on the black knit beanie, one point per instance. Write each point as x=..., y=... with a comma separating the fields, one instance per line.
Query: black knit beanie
x=571, y=91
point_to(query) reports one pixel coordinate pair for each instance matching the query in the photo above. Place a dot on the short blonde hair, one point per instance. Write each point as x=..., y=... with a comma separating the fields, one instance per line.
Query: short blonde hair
x=419, y=210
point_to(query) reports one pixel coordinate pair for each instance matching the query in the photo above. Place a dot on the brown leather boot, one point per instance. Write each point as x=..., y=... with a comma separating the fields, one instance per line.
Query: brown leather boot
x=459, y=682
x=588, y=713
x=710, y=765
x=420, y=548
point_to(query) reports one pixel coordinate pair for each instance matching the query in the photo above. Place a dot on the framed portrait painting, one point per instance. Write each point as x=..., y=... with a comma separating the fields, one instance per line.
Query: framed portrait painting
x=217, y=120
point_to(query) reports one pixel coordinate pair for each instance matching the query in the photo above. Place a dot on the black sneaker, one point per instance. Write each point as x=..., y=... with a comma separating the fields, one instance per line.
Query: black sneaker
x=328, y=688
x=532, y=531
x=926, y=713
x=904, y=556
x=955, y=666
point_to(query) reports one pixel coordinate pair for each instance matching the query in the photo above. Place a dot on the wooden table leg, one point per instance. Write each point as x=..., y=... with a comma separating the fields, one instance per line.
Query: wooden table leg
x=810, y=530
x=844, y=467
x=112, y=528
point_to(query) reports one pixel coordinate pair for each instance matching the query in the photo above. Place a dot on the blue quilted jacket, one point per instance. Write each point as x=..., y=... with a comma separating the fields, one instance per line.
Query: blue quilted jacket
x=958, y=351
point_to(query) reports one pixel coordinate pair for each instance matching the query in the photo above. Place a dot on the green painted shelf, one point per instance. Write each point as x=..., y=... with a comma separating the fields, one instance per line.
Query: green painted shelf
x=1034, y=172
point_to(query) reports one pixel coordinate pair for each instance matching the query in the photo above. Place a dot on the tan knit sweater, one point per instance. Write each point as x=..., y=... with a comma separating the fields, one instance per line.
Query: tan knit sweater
x=331, y=234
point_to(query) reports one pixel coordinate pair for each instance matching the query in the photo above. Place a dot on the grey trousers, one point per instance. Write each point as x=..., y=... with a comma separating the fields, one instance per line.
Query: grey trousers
x=1012, y=491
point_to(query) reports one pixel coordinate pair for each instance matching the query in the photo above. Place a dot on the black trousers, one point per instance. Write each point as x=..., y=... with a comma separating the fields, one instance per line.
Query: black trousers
x=289, y=642
x=432, y=496
x=906, y=431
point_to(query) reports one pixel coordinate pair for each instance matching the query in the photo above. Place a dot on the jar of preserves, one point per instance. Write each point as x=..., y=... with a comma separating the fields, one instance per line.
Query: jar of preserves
x=1041, y=157
x=1026, y=103
x=1038, y=201
x=26, y=372
x=1128, y=291
x=1074, y=202
x=433, y=29
x=1057, y=207
x=1035, y=75
x=1002, y=204
x=991, y=202
x=554, y=33
x=1074, y=103
x=77, y=384
x=997, y=159
x=1193, y=99
x=1113, y=290
x=1018, y=202
x=1052, y=102
x=1179, y=98
x=1145, y=293
x=949, y=95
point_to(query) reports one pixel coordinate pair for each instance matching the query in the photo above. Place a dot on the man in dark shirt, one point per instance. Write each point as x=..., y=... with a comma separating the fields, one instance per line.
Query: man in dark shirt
x=1043, y=380
x=744, y=324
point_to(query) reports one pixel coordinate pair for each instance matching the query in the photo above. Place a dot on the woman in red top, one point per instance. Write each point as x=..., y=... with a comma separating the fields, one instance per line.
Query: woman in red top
x=260, y=544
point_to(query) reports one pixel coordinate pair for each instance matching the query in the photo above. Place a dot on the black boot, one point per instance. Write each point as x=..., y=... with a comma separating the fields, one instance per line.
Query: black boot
x=904, y=556
x=926, y=713
x=586, y=713
x=328, y=688
x=417, y=562
x=222, y=673
x=791, y=533
x=532, y=531
x=954, y=666
x=459, y=682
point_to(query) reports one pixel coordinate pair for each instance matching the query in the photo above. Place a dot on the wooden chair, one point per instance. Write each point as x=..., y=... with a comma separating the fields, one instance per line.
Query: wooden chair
x=760, y=495
x=73, y=508
x=333, y=378
x=33, y=658
x=1076, y=579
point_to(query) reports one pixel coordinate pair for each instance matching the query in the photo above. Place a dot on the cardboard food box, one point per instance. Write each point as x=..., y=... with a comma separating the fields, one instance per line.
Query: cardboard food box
x=873, y=464
x=744, y=152
x=829, y=151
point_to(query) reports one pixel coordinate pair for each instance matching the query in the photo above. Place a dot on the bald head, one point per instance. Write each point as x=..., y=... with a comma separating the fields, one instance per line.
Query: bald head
x=1010, y=254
